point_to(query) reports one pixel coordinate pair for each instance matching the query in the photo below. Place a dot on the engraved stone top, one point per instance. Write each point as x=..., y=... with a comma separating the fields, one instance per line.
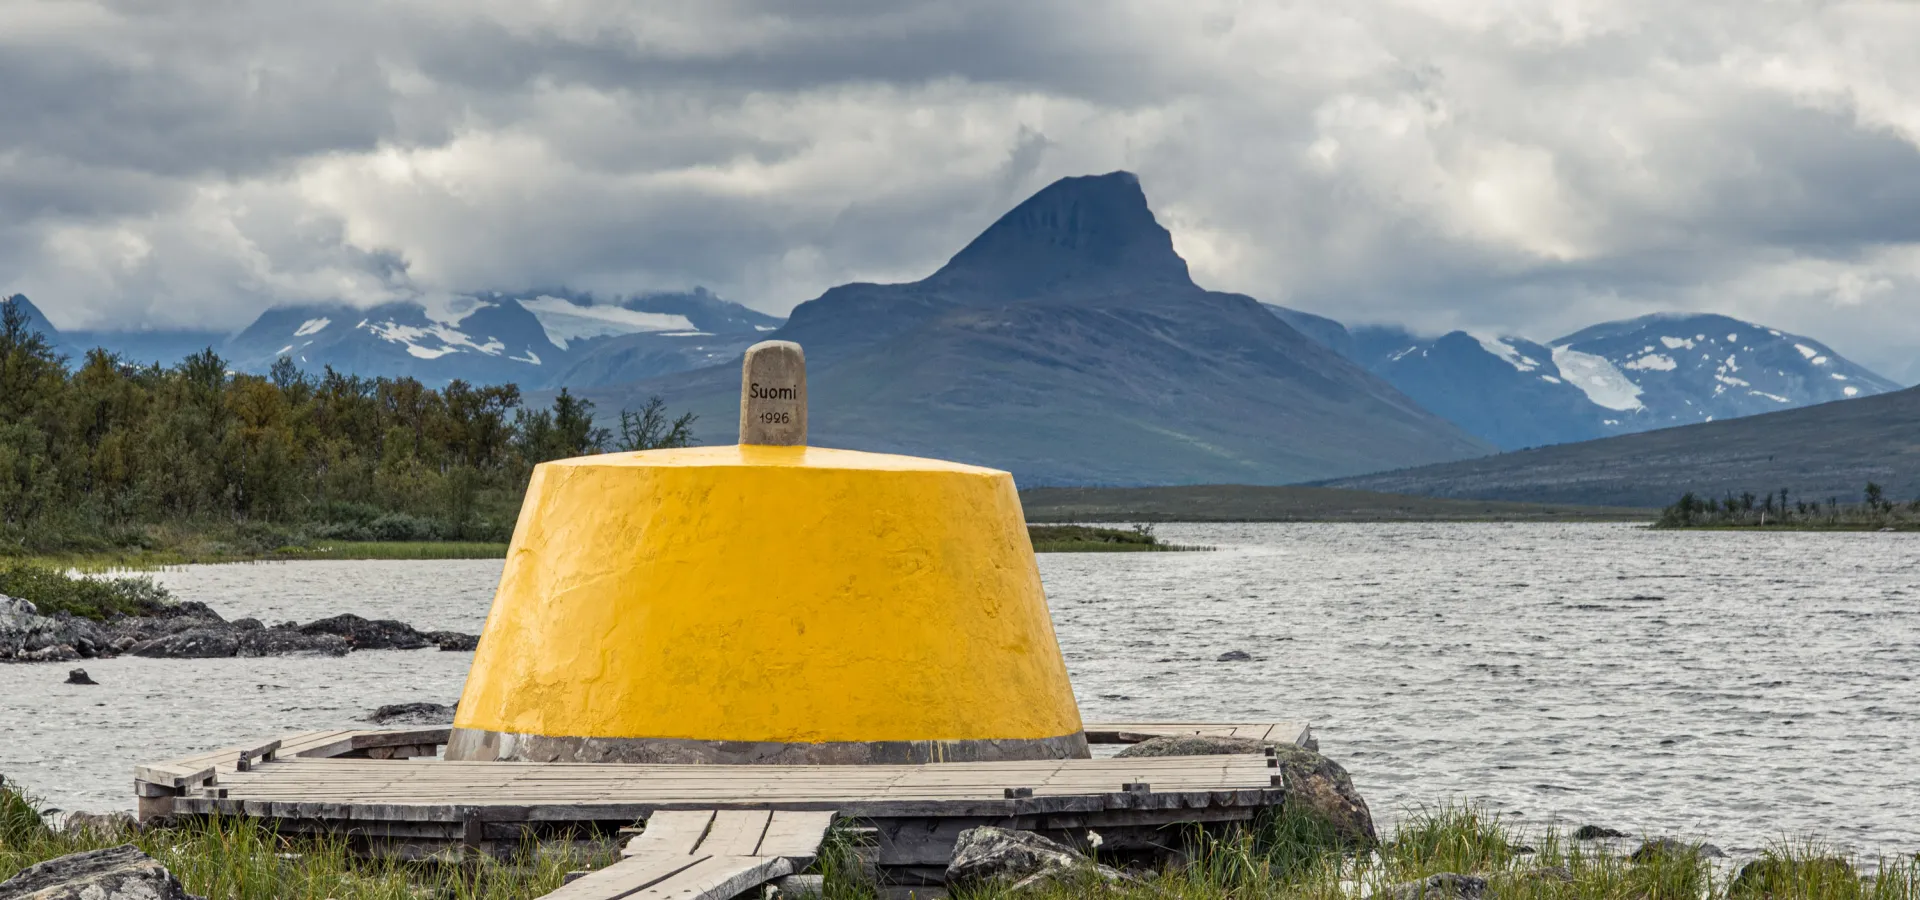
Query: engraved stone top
x=773, y=395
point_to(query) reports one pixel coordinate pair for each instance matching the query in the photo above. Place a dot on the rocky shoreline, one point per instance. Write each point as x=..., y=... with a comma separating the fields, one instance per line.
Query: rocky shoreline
x=193, y=631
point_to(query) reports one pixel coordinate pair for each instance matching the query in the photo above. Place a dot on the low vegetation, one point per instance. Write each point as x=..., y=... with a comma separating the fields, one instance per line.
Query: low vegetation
x=53, y=590
x=104, y=459
x=1786, y=511
x=1094, y=539
x=1286, y=857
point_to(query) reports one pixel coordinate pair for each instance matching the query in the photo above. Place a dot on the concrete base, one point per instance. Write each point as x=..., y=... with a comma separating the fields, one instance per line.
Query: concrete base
x=473, y=745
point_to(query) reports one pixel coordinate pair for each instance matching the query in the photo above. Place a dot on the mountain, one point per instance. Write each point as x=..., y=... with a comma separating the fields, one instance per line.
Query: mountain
x=1699, y=368
x=480, y=340
x=716, y=330
x=1815, y=452
x=1068, y=344
x=36, y=320
x=536, y=339
x=1614, y=378
x=166, y=346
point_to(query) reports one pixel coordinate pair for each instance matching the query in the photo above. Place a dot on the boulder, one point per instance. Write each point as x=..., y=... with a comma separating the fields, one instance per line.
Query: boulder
x=1668, y=847
x=103, y=824
x=1017, y=859
x=412, y=714
x=1596, y=833
x=281, y=641
x=454, y=640
x=207, y=642
x=28, y=636
x=1234, y=656
x=80, y=676
x=1320, y=784
x=369, y=634
x=116, y=873
x=1775, y=876
x=1444, y=886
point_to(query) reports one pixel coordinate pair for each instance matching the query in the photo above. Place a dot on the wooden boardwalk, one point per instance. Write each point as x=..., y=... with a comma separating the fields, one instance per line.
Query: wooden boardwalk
x=385, y=791
x=706, y=855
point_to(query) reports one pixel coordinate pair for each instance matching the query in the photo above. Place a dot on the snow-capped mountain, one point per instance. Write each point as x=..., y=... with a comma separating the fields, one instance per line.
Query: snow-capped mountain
x=535, y=339
x=1664, y=370
x=1617, y=377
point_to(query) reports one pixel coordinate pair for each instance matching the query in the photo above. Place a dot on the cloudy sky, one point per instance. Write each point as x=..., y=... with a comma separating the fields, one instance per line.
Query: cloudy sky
x=1528, y=166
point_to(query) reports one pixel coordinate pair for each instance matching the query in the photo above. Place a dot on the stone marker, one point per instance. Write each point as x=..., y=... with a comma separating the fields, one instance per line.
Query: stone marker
x=773, y=395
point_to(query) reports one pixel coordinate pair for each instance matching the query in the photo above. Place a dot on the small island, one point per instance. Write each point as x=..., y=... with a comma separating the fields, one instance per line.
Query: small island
x=1784, y=511
x=1095, y=539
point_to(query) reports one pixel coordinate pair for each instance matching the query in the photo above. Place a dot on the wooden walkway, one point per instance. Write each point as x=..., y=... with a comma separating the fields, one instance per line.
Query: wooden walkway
x=706, y=855
x=385, y=791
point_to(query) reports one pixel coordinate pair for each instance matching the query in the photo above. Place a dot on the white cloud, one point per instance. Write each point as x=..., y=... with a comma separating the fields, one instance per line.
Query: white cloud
x=1514, y=168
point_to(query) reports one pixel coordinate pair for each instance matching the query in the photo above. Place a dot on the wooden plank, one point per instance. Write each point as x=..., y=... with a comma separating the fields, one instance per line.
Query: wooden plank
x=625, y=878
x=671, y=833
x=795, y=834
x=718, y=878
x=735, y=832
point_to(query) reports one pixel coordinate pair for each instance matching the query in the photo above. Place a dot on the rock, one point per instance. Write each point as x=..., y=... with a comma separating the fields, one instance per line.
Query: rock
x=103, y=824
x=1540, y=875
x=1659, y=847
x=248, y=624
x=1773, y=876
x=28, y=636
x=412, y=714
x=369, y=634
x=80, y=676
x=282, y=641
x=193, y=643
x=116, y=873
x=1020, y=859
x=1444, y=886
x=1234, y=656
x=1316, y=781
x=1596, y=833
x=454, y=640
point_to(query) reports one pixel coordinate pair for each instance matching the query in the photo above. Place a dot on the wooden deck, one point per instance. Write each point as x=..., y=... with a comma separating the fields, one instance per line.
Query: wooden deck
x=384, y=789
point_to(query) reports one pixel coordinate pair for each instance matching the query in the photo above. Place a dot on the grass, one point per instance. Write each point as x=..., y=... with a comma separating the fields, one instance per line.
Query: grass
x=395, y=550
x=1094, y=539
x=242, y=860
x=52, y=590
x=1287, y=856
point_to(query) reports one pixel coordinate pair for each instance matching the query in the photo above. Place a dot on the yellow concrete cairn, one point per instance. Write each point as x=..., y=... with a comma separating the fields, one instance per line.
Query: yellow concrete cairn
x=768, y=603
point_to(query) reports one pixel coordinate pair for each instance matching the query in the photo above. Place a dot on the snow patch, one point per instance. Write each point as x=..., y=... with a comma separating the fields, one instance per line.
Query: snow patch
x=283, y=350
x=1733, y=338
x=531, y=357
x=1774, y=397
x=1806, y=351
x=1507, y=353
x=1850, y=390
x=1674, y=343
x=1838, y=377
x=1653, y=362
x=1598, y=379
x=414, y=338
x=1550, y=379
x=564, y=321
x=765, y=327
x=312, y=326
x=1736, y=382
x=686, y=334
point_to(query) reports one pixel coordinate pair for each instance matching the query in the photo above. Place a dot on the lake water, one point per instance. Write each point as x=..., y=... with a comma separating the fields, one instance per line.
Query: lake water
x=1739, y=688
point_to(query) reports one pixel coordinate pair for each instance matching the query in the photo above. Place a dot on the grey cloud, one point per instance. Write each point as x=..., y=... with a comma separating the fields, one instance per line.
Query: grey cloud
x=1445, y=163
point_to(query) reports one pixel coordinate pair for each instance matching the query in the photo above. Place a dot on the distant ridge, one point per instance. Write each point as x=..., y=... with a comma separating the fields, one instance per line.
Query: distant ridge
x=1068, y=345
x=1816, y=452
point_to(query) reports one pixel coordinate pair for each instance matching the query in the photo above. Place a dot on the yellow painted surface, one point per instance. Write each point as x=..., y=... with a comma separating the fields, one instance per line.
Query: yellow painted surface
x=790, y=594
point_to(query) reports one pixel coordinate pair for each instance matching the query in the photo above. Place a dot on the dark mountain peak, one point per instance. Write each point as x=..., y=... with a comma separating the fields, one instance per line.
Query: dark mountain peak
x=1089, y=231
x=36, y=320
